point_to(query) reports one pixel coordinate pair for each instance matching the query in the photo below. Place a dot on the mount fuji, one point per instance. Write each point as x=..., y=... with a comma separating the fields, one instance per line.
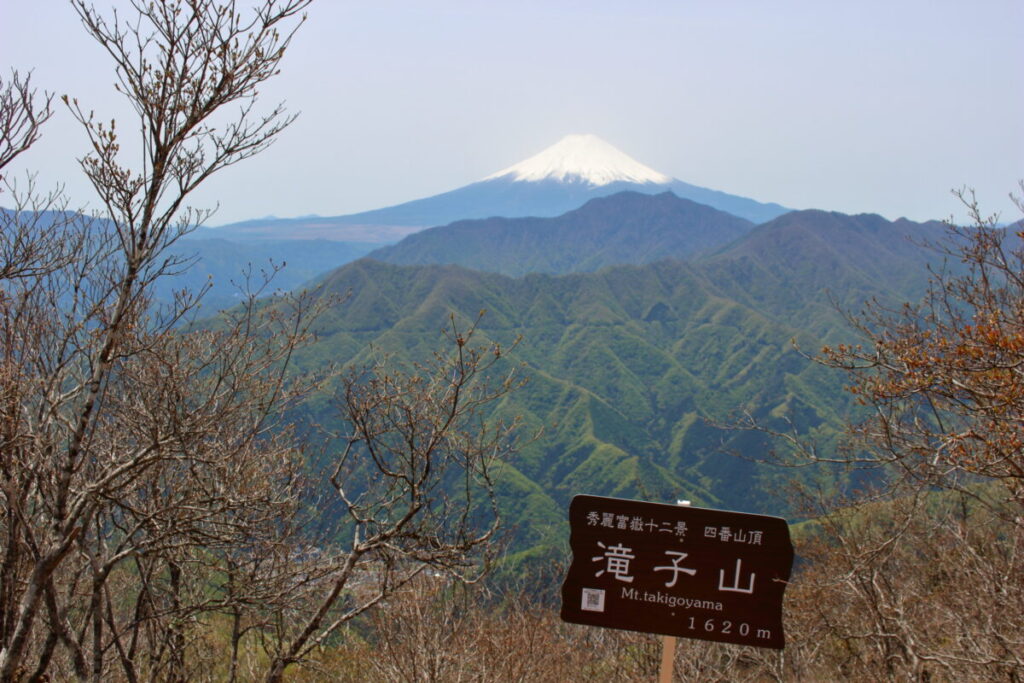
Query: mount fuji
x=559, y=179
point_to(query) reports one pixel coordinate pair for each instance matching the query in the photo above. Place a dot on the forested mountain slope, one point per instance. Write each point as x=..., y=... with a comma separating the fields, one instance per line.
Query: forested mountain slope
x=628, y=227
x=631, y=365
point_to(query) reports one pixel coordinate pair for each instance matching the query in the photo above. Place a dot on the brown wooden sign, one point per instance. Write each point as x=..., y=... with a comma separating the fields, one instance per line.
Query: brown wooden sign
x=678, y=571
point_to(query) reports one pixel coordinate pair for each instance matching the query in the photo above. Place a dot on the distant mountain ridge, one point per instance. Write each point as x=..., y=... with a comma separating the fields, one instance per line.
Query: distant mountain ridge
x=559, y=179
x=628, y=227
x=225, y=270
x=633, y=228
x=229, y=267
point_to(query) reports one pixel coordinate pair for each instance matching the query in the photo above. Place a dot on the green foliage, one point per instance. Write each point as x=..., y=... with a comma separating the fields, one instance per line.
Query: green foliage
x=632, y=367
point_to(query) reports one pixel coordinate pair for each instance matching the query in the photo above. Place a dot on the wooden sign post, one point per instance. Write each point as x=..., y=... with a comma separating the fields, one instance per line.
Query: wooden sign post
x=677, y=571
x=668, y=659
x=668, y=644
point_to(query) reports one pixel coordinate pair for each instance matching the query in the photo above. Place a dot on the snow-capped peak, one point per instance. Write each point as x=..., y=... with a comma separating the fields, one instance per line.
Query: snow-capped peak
x=582, y=158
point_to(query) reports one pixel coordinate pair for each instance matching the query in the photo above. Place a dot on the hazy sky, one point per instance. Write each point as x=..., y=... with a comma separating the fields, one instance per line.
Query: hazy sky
x=870, y=106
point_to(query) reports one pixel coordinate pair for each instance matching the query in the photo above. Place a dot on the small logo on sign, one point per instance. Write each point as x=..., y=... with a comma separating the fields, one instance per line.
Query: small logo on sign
x=593, y=600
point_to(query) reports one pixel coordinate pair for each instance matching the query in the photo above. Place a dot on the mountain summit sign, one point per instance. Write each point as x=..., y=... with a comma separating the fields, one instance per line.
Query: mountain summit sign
x=678, y=571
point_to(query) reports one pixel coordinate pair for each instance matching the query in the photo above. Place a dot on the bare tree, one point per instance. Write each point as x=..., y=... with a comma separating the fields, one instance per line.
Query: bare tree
x=917, y=588
x=944, y=379
x=151, y=480
x=22, y=114
x=32, y=233
x=416, y=479
x=140, y=461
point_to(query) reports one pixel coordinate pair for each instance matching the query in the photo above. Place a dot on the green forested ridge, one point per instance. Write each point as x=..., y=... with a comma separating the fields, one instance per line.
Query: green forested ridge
x=628, y=227
x=629, y=364
x=785, y=266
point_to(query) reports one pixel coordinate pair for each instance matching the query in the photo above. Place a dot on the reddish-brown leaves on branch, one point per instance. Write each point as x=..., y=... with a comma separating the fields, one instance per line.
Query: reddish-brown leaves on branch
x=945, y=377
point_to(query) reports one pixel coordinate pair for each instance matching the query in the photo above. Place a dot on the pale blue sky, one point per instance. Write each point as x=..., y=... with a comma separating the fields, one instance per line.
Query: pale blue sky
x=871, y=106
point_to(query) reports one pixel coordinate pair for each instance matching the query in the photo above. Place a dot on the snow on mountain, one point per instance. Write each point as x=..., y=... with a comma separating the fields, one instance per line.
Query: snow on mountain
x=582, y=158
x=563, y=177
